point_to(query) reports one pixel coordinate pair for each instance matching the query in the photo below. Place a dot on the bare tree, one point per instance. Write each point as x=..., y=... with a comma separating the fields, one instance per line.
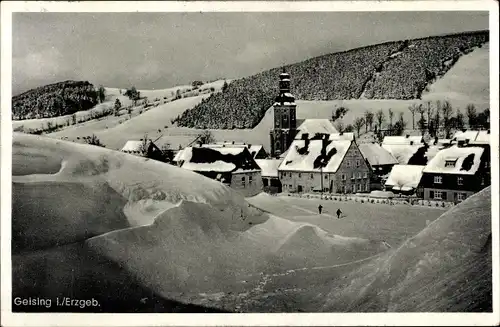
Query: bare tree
x=144, y=147
x=447, y=111
x=391, y=117
x=413, y=109
x=205, y=137
x=359, y=122
x=471, y=115
x=421, y=122
x=380, y=117
x=459, y=120
x=368, y=119
x=339, y=126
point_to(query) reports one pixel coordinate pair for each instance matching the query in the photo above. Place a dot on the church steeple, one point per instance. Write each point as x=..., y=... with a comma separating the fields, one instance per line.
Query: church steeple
x=285, y=124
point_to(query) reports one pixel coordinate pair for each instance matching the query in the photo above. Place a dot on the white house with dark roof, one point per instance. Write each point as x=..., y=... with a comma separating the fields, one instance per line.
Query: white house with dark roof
x=456, y=173
x=322, y=165
x=233, y=166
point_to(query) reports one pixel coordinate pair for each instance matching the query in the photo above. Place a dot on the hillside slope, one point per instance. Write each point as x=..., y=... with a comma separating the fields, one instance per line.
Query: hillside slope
x=394, y=70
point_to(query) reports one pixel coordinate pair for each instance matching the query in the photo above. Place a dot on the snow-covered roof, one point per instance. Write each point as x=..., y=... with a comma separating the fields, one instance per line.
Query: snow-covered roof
x=403, y=140
x=451, y=161
x=402, y=152
x=483, y=137
x=269, y=167
x=315, y=126
x=286, y=103
x=404, y=177
x=132, y=146
x=376, y=155
x=432, y=151
x=467, y=135
x=341, y=136
x=220, y=166
x=308, y=161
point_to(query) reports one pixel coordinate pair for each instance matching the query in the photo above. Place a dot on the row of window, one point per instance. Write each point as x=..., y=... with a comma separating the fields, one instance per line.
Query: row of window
x=343, y=189
x=358, y=163
x=460, y=180
x=243, y=181
x=440, y=195
x=343, y=176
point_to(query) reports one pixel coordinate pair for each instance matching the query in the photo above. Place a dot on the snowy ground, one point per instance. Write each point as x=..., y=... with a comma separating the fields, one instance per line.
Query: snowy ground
x=141, y=235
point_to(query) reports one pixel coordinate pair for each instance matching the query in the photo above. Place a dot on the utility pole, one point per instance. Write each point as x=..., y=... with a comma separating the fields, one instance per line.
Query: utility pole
x=321, y=175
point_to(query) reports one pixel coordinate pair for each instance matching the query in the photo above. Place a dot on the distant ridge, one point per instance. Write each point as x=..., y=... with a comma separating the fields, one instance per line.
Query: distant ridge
x=391, y=70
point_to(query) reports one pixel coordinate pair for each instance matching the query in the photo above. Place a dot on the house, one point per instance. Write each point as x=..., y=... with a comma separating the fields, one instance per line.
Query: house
x=406, y=149
x=233, y=166
x=380, y=161
x=256, y=150
x=270, y=178
x=315, y=126
x=455, y=173
x=405, y=179
x=472, y=137
x=322, y=165
x=144, y=148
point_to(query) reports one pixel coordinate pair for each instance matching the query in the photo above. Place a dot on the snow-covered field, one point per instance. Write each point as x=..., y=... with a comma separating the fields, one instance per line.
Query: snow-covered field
x=141, y=235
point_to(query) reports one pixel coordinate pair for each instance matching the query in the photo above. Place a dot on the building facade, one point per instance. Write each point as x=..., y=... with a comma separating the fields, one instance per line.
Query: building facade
x=324, y=166
x=285, y=122
x=455, y=173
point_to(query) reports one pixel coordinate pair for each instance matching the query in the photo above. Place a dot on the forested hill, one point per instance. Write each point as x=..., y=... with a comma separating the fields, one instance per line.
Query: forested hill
x=53, y=100
x=393, y=70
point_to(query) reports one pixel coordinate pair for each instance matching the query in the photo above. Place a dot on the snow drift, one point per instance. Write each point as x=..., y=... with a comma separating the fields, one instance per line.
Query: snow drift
x=83, y=215
x=445, y=268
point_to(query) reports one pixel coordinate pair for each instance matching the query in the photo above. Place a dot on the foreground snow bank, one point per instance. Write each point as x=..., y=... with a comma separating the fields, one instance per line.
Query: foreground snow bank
x=446, y=267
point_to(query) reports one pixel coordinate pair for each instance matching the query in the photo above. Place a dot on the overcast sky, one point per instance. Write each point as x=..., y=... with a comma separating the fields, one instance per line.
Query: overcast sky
x=159, y=50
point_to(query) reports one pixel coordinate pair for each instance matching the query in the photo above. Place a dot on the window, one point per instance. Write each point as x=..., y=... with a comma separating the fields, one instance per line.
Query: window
x=243, y=181
x=343, y=177
x=460, y=180
x=353, y=176
x=290, y=186
x=342, y=189
x=249, y=180
x=365, y=175
x=367, y=188
x=358, y=163
x=326, y=176
x=438, y=179
x=359, y=175
x=438, y=195
x=312, y=176
x=461, y=196
x=353, y=188
x=348, y=163
x=450, y=163
x=300, y=175
x=265, y=182
x=482, y=181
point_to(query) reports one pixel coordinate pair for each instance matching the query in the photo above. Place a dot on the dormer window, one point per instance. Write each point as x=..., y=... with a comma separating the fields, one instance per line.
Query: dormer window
x=450, y=163
x=460, y=180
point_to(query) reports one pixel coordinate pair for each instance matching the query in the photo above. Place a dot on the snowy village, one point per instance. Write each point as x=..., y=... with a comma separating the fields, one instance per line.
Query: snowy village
x=251, y=162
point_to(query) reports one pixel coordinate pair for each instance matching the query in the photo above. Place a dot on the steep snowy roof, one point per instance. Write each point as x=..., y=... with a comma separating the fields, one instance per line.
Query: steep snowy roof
x=179, y=155
x=405, y=177
x=269, y=167
x=376, y=155
x=315, y=126
x=403, y=140
x=452, y=159
x=132, y=146
x=402, y=152
x=300, y=159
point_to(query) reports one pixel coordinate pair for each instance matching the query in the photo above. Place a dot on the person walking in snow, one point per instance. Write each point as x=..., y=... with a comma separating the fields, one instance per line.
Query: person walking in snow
x=320, y=208
x=339, y=212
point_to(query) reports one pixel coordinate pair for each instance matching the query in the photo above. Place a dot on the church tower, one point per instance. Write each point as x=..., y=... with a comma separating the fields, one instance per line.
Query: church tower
x=285, y=123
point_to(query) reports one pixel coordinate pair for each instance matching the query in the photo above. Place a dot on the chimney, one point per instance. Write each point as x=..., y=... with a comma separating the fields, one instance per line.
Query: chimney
x=341, y=133
x=407, y=136
x=233, y=142
x=306, y=143
x=305, y=136
x=488, y=132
